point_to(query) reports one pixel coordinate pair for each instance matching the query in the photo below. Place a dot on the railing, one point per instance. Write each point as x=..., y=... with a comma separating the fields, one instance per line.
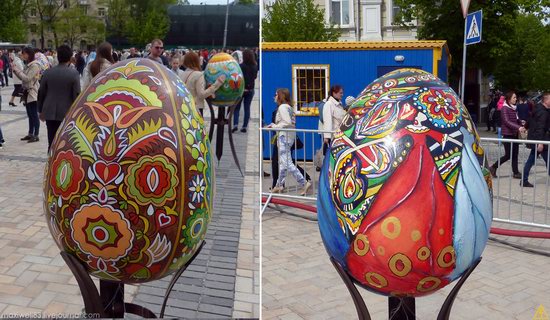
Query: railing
x=513, y=201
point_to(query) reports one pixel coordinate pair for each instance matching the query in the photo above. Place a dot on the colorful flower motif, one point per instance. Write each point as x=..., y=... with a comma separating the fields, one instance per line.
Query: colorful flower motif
x=102, y=231
x=197, y=188
x=67, y=174
x=441, y=107
x=152, y=180
x=195, y=228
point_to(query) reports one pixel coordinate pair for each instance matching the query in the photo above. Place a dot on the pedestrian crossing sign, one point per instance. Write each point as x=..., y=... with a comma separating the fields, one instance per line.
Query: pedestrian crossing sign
x=473, y=27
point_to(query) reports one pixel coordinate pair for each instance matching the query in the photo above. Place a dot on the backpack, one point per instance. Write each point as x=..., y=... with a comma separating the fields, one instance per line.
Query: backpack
x=320, y=107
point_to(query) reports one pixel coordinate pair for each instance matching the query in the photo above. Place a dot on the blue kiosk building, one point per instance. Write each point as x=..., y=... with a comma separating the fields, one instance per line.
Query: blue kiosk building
x=308, y=69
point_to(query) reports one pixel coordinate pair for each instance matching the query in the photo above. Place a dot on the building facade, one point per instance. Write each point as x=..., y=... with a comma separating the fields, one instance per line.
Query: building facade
x=366, y=20
x=92, y=8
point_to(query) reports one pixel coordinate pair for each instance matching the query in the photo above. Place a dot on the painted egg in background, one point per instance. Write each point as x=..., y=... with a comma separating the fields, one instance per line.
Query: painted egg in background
x=405, y=204
x=233, y=87
x=129, y=181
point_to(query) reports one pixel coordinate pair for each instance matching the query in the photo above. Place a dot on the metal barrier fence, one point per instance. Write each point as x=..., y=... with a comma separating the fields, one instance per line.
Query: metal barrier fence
x=513, y=201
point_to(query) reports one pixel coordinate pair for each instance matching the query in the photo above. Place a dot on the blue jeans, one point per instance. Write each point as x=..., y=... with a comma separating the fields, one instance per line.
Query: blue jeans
x=247, y=101
x=285, y=163
x=531, y=162
x=34, y=122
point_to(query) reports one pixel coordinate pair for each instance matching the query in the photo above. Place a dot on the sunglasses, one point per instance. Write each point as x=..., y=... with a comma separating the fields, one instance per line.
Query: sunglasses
x=159, y=48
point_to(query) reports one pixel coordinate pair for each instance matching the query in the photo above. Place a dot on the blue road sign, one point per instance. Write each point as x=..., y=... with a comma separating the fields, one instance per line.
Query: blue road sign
x=473, y=27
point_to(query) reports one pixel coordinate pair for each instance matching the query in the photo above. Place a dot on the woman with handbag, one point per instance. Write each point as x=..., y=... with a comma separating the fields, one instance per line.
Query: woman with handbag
x=30, y=77
x=511, y=127
x=286, y=119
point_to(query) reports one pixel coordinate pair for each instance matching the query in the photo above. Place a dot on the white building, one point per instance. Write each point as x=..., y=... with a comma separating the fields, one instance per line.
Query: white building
x=372, y=19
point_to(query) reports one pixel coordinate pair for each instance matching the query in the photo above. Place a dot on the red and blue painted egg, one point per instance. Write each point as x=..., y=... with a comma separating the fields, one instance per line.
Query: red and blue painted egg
x=405, y=204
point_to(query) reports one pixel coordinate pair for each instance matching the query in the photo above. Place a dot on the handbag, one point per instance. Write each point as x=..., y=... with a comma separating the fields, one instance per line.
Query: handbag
x=299, y=144
x=523, y=136
x=319, y=158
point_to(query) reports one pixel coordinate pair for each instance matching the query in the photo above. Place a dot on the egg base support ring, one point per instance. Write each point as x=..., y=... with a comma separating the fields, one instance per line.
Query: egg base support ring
x=399, y=308
x=219, y=122
x=109, y=301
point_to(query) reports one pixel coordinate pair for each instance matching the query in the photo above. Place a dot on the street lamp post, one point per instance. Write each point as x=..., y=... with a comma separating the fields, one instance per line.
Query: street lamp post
x=226, y=20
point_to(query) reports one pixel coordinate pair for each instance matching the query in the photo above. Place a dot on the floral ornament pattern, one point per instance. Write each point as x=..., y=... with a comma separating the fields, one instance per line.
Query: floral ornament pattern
x=67, y=174
x=152, y=180
x=405, y=203
x=101, y=231
x=129, y=183
x=440, y=106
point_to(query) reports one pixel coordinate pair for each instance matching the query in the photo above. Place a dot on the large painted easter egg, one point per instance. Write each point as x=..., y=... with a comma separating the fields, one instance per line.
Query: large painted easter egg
x=233, y=87
x=404, y=202
x=129, y=180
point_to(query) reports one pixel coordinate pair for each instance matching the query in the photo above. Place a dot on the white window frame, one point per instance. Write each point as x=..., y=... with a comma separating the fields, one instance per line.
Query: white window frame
x=328, y=13
x=296, y=67
x=101, y=10
x=31, y=10
x=390, y=17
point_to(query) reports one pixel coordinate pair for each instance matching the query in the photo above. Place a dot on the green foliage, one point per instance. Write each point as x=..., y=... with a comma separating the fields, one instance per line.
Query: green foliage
x=443, y=20
x=148, y=19
x=296, y=20
x=245, y=2
x=526, y=65
x=12, y=27
x=73, y=25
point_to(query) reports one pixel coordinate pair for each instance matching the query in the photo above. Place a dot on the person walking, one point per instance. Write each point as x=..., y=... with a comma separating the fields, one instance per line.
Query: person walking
x=491, y=108
x=6, y=61
x=250, y=72
x=80, y=62
x=539, y=127
x=286, y=119
x=157, y=47
x=102, y=61
x=511, y=126
x=193, y=79
x=17, y=83
x=30, y=77
x=333, y=114
x=59, y=88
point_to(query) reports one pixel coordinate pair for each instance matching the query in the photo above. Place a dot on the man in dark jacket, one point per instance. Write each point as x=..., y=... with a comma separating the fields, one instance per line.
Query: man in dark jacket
x=538, y=130
x=6, y=61
x=59, y=87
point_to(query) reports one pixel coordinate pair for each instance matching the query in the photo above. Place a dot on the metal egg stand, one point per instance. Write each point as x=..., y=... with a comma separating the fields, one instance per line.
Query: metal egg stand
x=400, y=308
x=109, y=301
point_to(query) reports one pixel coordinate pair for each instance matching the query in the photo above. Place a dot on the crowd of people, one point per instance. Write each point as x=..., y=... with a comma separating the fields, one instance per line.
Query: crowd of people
x=48, y=82
x=513, y=117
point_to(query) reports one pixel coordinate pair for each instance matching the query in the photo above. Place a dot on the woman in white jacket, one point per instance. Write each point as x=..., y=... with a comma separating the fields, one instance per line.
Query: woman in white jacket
x=193, y=78
x=333, y=113
x=285, y=118
x=17, y=82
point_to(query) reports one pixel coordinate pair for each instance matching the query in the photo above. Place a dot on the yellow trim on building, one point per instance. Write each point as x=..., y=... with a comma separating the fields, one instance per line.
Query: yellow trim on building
x=364, y=45
x=436, y=58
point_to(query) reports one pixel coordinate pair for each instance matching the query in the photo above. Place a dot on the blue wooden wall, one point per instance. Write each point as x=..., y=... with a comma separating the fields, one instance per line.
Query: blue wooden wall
x=353, y=69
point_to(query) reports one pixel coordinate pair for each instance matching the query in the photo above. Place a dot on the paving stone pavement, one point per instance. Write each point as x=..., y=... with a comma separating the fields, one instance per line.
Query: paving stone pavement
x=223, y=281
x=299, y=282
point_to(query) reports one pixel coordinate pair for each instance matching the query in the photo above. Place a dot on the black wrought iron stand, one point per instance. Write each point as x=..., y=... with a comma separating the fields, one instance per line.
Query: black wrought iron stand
x=399, y=308
x=219, y=122
x=109, y=301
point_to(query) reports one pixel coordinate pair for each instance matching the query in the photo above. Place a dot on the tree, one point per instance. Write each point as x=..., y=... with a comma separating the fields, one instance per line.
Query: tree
x=442, y=20
x=296, y=20
x=96, y=32
x=526, y=66
x=118, y=14
x=48, y=11
x=148, y=19
x=72, y=25
x=12, y=27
